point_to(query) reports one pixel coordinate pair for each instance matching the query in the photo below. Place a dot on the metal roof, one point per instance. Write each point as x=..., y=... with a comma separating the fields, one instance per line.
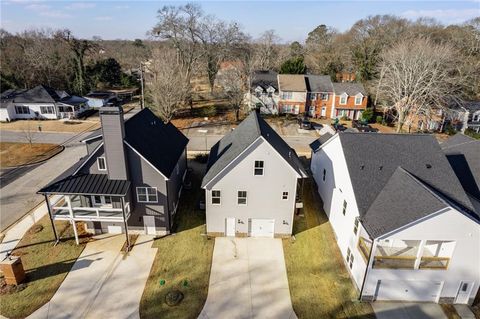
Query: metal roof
x=87, y=184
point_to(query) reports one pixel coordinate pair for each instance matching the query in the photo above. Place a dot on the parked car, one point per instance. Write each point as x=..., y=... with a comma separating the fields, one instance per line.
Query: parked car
x=305, y=123
x=339, y=127
x=363, y=126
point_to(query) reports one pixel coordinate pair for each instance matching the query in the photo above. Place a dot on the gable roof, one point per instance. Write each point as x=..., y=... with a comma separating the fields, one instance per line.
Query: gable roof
x=405, y=198
x=463, y=154
x=350, y=88
x=372, y=160
x=318, y=83
x=292, y=82
x=39, y=94
x=264, y=79
x=161, y=144
x=238, y=140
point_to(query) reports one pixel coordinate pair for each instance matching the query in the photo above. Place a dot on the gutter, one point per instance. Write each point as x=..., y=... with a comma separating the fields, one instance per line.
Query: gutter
x=366, y=271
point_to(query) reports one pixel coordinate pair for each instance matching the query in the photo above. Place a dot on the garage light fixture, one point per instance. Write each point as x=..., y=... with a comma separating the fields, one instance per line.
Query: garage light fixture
x=285, y=222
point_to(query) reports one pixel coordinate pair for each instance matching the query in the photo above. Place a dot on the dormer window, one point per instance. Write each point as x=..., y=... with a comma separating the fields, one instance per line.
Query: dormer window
x=343, y=98
x=358, y=99
x=101, y=164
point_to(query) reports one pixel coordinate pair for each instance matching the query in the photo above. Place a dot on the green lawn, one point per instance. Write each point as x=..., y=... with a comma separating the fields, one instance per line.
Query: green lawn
x=184, y=256
x=46, y=267
x=320, y=286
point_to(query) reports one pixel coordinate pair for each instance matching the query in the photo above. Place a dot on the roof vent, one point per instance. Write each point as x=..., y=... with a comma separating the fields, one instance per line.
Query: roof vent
x=380, y=167
x=289, y=153
x=362, y=167
x=428, y=165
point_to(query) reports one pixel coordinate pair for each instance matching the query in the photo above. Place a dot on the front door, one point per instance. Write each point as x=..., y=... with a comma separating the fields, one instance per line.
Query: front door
x=149, y=225
x=464, y=292
x=230, y=227
x=324, y=111
x=312, y=110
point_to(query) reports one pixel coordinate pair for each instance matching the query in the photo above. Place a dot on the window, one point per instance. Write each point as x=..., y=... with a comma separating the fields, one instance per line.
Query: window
x=344, y=210
x=287, y=95
x=258, y=168
x=464, y=287
x=324, y=174
x=102, y=164
x=242, y=198
x=287, y=108
x=355, y=225
x=22, y=110
x=257, y=94
x=147, y=194
x=312, y=96
x=351, y=261
x=358, y=100
x=216, y=197
x=349, y=252
x=325, y=96
x=349, y=258
x=343, y=99
x=97, y=200
x=47, y=110
x=285, y=195
x=270, y=94
x=108, y=200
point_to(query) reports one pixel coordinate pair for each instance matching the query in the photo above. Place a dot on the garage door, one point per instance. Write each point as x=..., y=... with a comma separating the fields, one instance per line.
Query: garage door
x=408, y=290
x=262, y=227
x=113, y=229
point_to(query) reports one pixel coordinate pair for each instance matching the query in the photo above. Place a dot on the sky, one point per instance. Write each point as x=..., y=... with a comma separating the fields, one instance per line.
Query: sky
x=292, y=20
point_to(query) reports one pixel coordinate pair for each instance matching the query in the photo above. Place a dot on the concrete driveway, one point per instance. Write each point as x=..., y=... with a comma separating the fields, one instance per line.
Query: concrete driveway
x=248, y=280
x=408, y=310
x=103, y=283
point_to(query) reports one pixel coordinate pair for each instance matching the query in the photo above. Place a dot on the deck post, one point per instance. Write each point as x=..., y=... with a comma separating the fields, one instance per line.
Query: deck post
x=50, y=215
x=419, y=254
x=72, y=221
x=125, y=223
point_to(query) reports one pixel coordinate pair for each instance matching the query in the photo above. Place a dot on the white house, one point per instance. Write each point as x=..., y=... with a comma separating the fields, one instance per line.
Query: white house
x=263, y=93
x=251, y=182
x=41, y=102
x=404, y=225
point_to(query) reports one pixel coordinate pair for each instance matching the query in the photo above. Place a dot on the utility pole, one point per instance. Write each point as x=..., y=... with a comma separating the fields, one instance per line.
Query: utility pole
x=142, y=104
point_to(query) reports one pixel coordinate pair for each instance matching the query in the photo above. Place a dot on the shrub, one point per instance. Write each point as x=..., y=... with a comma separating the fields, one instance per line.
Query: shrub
x=206, y=111
x=344, y=118
x=379, y=119
x=367, y=115
x=472, y=133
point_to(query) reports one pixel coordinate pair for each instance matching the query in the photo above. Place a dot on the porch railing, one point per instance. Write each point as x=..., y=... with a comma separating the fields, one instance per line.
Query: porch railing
x=394, y=262
x=434, y=263
x=90, y=213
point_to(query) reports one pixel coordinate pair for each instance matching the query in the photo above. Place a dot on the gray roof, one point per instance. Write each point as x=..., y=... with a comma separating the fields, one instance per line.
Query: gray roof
x=87, y=184
x=372, y=160
x=39, y=94
x=236, y=141
x=318, y=83
x=463, y=154
x=472, y=106
x=320, y=141
x=405, y=198
x=350, y=88
x=264, y=79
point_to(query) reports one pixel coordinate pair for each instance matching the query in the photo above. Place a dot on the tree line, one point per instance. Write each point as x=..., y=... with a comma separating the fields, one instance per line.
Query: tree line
x=408, y=67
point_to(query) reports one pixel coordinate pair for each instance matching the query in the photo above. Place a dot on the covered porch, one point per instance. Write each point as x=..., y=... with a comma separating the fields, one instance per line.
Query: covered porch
x=88, y=198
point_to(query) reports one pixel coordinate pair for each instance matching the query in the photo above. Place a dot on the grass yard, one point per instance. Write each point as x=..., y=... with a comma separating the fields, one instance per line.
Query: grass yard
x=71, y=126
x=46, y=267
x=184, y=256
x=320, y=286
x=14, y=154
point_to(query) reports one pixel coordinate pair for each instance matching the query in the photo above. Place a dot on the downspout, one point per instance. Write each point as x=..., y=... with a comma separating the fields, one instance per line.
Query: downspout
x=366, y=271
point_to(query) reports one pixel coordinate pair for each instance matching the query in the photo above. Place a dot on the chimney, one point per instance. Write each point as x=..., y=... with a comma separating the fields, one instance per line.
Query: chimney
x=113, y=131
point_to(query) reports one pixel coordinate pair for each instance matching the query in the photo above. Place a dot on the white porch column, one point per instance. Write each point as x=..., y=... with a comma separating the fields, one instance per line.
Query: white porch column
x=72, y=221
x=419, y=254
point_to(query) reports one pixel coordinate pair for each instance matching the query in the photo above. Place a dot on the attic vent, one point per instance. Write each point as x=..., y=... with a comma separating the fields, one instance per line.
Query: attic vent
x=362, y=167
x=153, y=123
x=380, y=167
x=428, y=165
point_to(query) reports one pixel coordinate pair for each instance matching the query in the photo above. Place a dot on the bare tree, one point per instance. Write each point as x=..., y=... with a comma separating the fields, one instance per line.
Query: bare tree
x=166, y=90
x=419, y=77
x=28, y=133
x=266, y=50
x=234, y=87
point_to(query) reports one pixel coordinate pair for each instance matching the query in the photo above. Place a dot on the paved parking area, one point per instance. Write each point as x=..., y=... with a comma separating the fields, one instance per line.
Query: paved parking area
x=103, y=283
x=407, y=310
x=248, y=280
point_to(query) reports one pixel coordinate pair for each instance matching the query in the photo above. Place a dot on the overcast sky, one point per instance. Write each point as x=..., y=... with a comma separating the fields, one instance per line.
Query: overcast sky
x=292, y=20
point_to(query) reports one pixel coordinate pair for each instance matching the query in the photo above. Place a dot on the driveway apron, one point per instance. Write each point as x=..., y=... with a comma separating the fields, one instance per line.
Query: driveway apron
x=248, y=280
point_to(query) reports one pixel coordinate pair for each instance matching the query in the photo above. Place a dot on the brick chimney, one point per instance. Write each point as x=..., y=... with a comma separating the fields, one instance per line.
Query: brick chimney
x=113, y=131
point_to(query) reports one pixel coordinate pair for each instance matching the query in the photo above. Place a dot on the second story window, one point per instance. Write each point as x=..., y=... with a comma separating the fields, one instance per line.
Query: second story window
x=355, y=225
x=287, y=95
x=343, y=99
x=147, y=194
x=216, y=195
x=258, y=170
x=324, y=96
x=242, y=198
x=344, y=209
x=102, y=164
x=358, y=100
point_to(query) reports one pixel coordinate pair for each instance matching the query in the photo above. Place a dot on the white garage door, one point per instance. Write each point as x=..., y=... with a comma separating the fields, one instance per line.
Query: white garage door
x=262, y=227
x=408, y=290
